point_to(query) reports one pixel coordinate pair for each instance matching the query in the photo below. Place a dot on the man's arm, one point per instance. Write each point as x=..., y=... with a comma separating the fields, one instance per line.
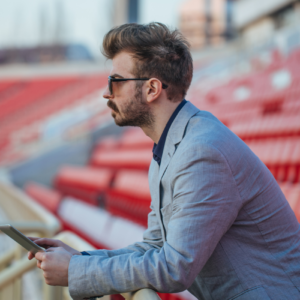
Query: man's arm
x=55, y=262
x=152, y=238
x=206, y=202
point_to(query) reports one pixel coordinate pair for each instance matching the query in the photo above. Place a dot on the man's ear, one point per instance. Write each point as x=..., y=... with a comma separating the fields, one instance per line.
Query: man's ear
x=154, y=89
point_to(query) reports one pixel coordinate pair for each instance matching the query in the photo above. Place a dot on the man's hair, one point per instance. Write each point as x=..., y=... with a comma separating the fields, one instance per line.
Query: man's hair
x=159, y=52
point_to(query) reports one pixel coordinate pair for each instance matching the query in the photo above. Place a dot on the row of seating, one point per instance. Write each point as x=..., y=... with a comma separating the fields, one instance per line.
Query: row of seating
x=273, y=90
x=122, y=193
x=32, y=92
x=122, y=159
x=273, y=125
x=281, y=156
x=271, y=84
x=37, y=99
x=131, y=139
x=86, y=183
x=277, y=151
x=129, y=197
x=48, y=103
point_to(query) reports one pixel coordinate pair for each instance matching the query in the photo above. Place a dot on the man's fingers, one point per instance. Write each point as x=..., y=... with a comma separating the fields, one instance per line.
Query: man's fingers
x=51, y=249
x=30, y=255
x=47, y=243
x=39, y=264
x=40, y=256
x=56, y=249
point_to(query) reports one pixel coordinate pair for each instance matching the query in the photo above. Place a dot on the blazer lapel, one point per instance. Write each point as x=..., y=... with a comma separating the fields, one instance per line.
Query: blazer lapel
x=174, y=137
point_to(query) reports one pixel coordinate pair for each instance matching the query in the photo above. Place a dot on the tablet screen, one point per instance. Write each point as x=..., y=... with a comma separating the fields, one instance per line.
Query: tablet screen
x=20, y=238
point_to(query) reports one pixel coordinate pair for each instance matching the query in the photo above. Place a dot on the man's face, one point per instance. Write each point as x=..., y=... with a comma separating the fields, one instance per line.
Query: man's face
x=128, y=103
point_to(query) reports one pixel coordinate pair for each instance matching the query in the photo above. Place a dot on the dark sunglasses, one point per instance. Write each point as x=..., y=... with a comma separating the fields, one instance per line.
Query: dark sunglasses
x=112, y=79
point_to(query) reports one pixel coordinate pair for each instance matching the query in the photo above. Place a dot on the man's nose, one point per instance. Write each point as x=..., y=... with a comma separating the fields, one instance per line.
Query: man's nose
x=106, y=93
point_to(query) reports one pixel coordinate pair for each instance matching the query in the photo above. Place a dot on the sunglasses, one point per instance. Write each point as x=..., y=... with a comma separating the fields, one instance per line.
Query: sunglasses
x=112, y=79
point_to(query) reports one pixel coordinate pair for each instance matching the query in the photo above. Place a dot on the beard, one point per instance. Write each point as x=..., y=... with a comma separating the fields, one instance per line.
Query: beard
x=136, y=113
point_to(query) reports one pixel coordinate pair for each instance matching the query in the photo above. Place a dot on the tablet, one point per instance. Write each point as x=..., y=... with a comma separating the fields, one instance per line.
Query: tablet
x=20, y=238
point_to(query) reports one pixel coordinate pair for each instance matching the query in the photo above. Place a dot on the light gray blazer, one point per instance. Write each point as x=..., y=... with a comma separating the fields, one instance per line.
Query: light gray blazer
x=219, y=226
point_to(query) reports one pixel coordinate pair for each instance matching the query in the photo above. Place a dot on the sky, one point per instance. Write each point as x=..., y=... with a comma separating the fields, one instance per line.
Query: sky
x=165, y=11
x=27, y=23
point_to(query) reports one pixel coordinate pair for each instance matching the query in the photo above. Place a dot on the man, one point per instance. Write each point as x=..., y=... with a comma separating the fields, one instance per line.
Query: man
x=219, y=224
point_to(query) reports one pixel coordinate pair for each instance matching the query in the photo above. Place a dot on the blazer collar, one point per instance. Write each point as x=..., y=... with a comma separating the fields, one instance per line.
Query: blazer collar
x=178, y=126
x=176, y=133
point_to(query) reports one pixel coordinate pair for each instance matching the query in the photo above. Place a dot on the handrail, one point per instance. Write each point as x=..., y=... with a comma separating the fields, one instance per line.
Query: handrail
x=75, y=242
x=24, y=213
x=143, y=294
x=16, y=270
x=28, y=216
x=8, y=256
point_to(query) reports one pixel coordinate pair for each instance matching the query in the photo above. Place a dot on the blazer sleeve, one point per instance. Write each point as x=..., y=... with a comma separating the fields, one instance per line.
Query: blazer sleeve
x=152, y=238
x=206, y=202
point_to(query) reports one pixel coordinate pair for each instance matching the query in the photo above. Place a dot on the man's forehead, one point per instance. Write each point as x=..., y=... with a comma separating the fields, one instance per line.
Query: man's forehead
x=122, y=64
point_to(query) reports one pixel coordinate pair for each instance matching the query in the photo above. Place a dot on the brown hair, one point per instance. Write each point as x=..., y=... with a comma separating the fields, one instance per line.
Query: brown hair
x=159, y=51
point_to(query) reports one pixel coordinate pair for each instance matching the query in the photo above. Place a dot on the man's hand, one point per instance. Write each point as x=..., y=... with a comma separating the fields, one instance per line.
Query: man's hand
x=50, y=243
x=55, y=264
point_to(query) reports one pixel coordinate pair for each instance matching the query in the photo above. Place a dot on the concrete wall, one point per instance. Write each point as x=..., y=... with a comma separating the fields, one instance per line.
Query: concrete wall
x=248, y=11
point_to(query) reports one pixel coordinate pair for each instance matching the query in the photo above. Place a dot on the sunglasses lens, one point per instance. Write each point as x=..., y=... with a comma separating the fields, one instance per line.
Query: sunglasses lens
x=109, y=86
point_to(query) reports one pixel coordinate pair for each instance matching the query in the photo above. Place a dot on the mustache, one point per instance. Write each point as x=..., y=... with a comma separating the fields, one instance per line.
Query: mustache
x=112, y=105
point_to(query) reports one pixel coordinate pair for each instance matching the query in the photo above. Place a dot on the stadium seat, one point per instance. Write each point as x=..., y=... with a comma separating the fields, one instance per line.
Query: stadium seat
x=48, y=198
x=135, y=139
x=122, y=159
x=85, y=183
x=281, y=156
x=129, y=196
x=292, y=194
x=27, y=102
x=277, y=125
x=97, y=226
x=108, y=143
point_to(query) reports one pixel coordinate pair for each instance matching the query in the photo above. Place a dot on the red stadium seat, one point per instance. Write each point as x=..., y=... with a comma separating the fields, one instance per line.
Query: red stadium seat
x=135, y=139
x=281, y=156
x=97, y=226
x=122, y=159
x=292, y=194
x=129, y=196
x=28, y=102
x=278, y=125
x=48, y=198
x=84, y=183
x=108, y=143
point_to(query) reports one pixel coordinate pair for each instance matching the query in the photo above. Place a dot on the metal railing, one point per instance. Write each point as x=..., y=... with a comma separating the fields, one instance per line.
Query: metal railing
x=25, y=214
x=75, y=242
x=144, y=294
x=32, y=219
